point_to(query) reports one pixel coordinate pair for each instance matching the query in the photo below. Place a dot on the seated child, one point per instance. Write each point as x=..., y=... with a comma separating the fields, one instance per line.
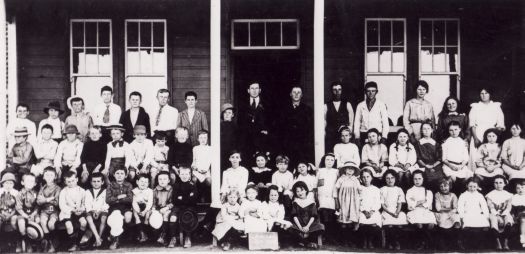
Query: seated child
x=499, y=203
x=375, y=154
x=142, y=205
x=45, y=150
x=119, y=197
x=68, y=152
x=326, y=178
x=21, y=154
x=252, y=211
x=72, y=207
x=305, y=226
x=283, y=179
x=347, y=200
x=229, y=221
x=8, y=198
x=201, y=165
x=402, y=158
x=93, y=155
x=260, y=175
x=370, y=203
x=163, y=202
x=473, y=210
x=141, y=152
x=513, y=154
x=52, y=110
x=185, y=196
x=455, y=156
x=346, y=150
x=181, y=152
x=419, y=203
x=27, y=209
x=274, y=211
x=447, y=216
x=518, y=209
x=96, y=210
x=235, y=177
x=118, y=152
x=306, y=173
x=392, y=200
x=47, y=200
x=488, y=163
x=429, y=157
x=160, y=156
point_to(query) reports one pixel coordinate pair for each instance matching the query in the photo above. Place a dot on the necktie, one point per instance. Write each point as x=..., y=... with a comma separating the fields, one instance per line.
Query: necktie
x=157, y=121
x=105, y=119
x=253, y=104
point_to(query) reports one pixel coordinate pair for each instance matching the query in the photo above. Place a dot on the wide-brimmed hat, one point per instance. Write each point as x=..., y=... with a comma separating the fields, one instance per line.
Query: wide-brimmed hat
x=155, y=219
x=20, y=131
x=226, y=106
x=189, y=220
x=8, y=177
x=117, y=127
x=34, y=231
x=349, y=164
x=139, y=129
x=116, y=222
x=54, y=105
x=71, y=129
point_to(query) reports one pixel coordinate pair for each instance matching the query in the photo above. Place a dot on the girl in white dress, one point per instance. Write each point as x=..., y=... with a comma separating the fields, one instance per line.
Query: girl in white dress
x=402, y=158
x=474, y=214
x=251, y=211
x=392, y=200
x=274, y=211
x=489, y=162
x=499, y=202
x=228, y=220
x=370, y=204
x=419, y=203
x=447, y=216
x=326, y=177
x=375, y=155
x=305, y=172
x=512, y=154
x=346, y=150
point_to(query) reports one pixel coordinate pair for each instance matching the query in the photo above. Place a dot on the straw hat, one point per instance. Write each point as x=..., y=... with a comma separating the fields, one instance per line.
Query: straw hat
x=117, y=127
x=226, y=106
x=34, y=231
x=189, y=220
x=8, y=177
x=21, y=131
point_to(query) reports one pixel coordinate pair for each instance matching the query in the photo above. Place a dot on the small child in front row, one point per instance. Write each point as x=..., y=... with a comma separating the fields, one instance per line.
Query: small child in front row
x=473, y=211
x=375, y=154
x=283, y=179
x=229, y=221
x=456, y=157
x=47, y=200
x=305, y=219
x=93, y=155
x=447, y=216
x=489, y=162
x=163, y=202
x=499, y=203
x=96, y=209
x=347, y=199
x=185, y=197
x=274, y=211
x=118, y=153
x=402, y=158
x=518, y=209
x=392, y=200
x=68, y=152
x=119, y=197
x=45, y=150
x=72, y=208
x=252, y=211
x=141, y=152
x=27, y=208
x=369, y=217
x=142, y=204
x=419, y=203
x=201, y=165
x=160, y=156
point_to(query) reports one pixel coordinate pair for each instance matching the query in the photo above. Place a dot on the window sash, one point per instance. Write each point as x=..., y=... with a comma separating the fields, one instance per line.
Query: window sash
x=433, y=70
x=265, y=23
x=152, y=70
x=390, y=46
x=85, y=48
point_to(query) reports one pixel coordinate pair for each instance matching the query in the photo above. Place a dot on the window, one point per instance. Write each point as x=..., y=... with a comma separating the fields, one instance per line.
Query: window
x=385, y=61
x=265, y=34
x=91, y=65
x=146, y=57
x=439, y=63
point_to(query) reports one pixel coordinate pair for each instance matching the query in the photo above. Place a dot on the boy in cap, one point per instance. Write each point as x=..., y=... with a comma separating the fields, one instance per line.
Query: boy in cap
x=8, y=199
x=78, y=118
x=21, y=121
x=47, y=200
x=96, y=210
x=26, y=207
x=119, y=197
x=141, y=152
x=72, y=208
x=45, y=150
x=68, y=153
x=22, y=153
x=93, y=155
x=118, y=153
x=52, y=110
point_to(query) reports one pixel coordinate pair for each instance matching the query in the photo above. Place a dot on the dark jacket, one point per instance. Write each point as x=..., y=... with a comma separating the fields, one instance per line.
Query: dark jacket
x=142, y=119
x=185, y=194
x=114, y=190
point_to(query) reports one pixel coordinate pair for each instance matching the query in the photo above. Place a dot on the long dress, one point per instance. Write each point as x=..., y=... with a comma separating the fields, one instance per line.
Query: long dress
x=346, y=190
x=473, y=210
x=446, y=219
x=429, y=151
x=326, y=178
x=513, y=150
x=420, y=214
x=391, y=198
x=370, y=202
x=304, y=209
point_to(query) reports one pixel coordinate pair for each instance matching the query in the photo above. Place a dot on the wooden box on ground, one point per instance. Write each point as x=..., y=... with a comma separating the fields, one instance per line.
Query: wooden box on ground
x=263, y=241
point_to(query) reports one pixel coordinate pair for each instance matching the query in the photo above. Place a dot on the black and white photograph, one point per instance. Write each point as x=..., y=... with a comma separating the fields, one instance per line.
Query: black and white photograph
x=333, y=126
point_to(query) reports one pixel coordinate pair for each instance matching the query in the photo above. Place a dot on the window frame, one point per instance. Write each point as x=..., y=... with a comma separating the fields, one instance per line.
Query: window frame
x=458, y=67
x=126, y=47
x=265, y=21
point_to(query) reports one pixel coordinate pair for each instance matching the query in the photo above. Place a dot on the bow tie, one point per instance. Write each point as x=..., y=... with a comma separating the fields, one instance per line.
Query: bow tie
x=120, y=143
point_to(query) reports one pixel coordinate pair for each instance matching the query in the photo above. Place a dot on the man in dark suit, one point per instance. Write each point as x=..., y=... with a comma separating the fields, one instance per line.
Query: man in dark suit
x=135, y=115
x=337, y=113
x=253, y=123
x=296, y=129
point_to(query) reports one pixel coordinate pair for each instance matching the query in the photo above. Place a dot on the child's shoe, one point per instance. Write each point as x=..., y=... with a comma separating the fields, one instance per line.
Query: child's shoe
x=187, y=242
x=143, y=237
x=29, y=247
x=19, y=248
x=161, y=238
x=226, y=246
x=51, y=248
x=173, y=242
x=114, y=244
x=73, y=248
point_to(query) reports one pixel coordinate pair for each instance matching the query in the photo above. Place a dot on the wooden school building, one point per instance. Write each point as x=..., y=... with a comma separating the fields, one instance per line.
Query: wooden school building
x=53, y=49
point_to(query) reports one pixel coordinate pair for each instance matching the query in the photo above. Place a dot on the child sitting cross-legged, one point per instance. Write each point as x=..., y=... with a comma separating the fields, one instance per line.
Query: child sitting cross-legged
x=305, y=226
x=96, y=210
x=142, y=204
